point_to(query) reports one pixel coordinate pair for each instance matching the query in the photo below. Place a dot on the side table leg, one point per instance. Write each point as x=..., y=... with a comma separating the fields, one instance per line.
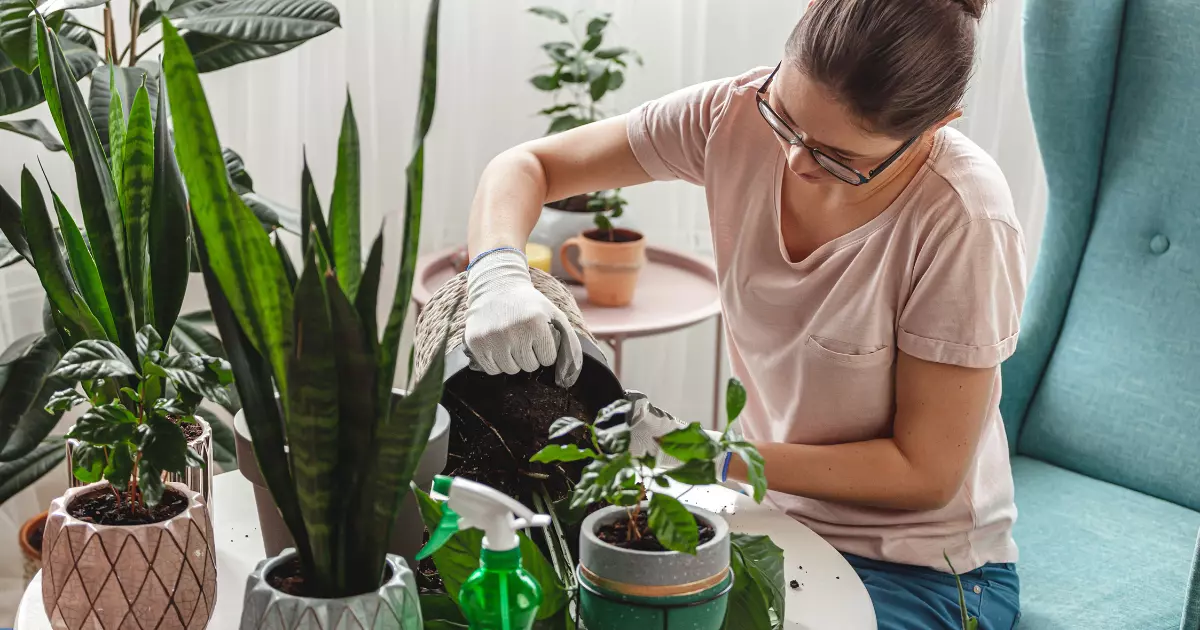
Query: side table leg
x=717, y=376
x=616, y=344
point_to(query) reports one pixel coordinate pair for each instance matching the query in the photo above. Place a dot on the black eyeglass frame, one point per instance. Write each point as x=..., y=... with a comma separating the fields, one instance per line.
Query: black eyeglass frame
x=817, y=154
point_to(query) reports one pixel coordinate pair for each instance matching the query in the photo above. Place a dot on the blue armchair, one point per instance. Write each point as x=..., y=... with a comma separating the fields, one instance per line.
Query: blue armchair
x=1102, y=399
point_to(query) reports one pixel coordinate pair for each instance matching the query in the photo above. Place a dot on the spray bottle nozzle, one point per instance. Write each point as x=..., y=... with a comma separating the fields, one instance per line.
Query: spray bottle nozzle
x=471, y=505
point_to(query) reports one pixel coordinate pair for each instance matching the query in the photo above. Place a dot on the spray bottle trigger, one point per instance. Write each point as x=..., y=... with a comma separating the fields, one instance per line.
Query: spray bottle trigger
x=445, y=530
x=538, y=520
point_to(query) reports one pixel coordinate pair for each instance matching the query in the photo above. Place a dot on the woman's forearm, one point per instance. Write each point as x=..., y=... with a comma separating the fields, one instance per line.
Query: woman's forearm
x=874, y=473
x=508, y=201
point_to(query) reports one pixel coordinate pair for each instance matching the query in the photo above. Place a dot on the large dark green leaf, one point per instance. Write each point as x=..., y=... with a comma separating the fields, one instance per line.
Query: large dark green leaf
x=224, y=442
x=152, y=13
x=688, y=443
x=83, y=268
x=91, y=359
x=440, y=611
x=190, y=336
x=127, y=80
x=763, y=567
x=71, y=30
x=20, y=90
x=163, y=445
x=55, y=6
x=697, y=472
x=748, y=608
x=24, y=367
x=17, y=40
x=170, y=231
x=137, y=186
x=312, y=429
x=414, y=187
x=21, y=473
x=106, y=424
x=673, y=525
x=368, y=290
x=345, y=220
x=11, y=228
x=8, y=255
x=205, y=376
x=756, y=472
x=310, y=210
x=212, y=53
x=33, y=129
x=97, y=193
x=264, y=21
x=116, y=131
x=239, y=251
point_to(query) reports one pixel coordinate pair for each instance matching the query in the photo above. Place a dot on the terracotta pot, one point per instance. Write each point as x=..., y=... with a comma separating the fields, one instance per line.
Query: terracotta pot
x=393, y=607
x=609, y=267
x=196, y=479
x=159, y=575
x=556, y=226
x=31, y=556
x=409, y=529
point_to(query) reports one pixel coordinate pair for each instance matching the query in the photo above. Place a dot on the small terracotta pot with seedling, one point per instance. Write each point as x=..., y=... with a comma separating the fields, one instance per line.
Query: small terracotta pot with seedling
x=654, y=563
x=610, y=258
x=129, y=549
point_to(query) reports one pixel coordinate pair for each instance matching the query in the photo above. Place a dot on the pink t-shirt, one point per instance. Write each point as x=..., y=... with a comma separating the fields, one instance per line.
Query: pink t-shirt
x=940, y=275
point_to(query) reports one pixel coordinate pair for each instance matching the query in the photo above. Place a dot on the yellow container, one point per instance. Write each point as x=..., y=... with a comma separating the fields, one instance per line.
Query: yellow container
x=539, y=256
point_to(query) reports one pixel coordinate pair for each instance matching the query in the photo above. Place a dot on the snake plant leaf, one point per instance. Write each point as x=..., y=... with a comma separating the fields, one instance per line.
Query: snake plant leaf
x=177, y=9
x=33, y=129
x=83, y=268
x=312, y=427
x=264, y=21
x=52, y=269
x=169, y=228
x=368, y=290
x=310, y=205
x=414, y=186
x=345, y=219
x=239, y=251
x=264, y=420
x=137, y=187
x=116, y=133
x=127, y=80
x=214, y=53
x=97, y=192
x=18, y=474
x=289, y=270
x=353, y=352
x=10, y=226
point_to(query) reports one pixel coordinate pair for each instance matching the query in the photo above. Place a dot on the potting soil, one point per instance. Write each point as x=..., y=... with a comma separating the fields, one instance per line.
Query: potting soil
x=617, y=533
x=103, y=507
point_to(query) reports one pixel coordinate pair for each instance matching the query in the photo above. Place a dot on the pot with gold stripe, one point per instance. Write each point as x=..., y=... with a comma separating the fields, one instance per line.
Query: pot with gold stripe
x=648, y=590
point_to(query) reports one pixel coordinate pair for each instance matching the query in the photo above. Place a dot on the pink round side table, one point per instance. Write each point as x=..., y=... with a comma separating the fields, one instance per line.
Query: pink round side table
x=675, y=291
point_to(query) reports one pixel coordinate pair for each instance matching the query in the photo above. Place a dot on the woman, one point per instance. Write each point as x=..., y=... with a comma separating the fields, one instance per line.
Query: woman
x=871, y=272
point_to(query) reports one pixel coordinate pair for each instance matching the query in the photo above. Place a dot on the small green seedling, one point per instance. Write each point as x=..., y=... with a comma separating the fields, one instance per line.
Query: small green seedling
x=968, y=622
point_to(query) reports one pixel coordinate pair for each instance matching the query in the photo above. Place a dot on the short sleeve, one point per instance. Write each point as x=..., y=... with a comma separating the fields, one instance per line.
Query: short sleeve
x=965, y=308
x=669, y=135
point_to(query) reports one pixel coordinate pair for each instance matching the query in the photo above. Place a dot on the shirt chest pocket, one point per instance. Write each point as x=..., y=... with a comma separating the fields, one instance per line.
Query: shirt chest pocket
x=847, y=390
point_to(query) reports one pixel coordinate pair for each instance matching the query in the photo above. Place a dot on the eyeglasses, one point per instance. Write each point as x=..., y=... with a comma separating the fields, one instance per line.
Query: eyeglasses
x=846, y=173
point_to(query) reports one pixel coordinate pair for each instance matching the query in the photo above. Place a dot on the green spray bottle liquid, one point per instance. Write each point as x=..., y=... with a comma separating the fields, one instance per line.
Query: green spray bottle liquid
x=499, y=595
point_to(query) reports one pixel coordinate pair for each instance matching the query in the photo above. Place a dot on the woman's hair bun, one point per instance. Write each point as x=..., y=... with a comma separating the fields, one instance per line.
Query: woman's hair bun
x=974, y=8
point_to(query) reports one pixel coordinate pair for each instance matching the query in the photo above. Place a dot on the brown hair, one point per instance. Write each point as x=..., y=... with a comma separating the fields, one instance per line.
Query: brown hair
x=899, y=65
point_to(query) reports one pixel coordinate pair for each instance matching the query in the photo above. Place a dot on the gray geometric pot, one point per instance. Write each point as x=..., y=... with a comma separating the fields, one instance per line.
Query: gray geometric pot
x=393, y=607
x=197, y=479
x=409, y=529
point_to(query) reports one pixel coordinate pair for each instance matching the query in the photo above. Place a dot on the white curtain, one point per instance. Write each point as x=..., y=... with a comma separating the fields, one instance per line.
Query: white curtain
x=272, y=111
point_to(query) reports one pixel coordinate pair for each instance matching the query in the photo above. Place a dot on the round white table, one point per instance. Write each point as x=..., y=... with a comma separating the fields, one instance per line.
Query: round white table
x=829, y=596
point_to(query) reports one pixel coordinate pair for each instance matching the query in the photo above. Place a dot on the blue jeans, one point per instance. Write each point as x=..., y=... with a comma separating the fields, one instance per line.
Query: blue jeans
x=919, y=598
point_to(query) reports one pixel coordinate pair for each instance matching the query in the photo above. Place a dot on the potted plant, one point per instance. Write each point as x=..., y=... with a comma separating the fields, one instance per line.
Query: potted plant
x=659, y=562
x=335, y=447
x=580, y=74
x=27, y=450
x=128, y=521
x=610, y=258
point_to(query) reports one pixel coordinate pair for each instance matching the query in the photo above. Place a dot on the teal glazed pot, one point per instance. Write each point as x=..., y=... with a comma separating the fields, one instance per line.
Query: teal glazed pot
x=622, y=589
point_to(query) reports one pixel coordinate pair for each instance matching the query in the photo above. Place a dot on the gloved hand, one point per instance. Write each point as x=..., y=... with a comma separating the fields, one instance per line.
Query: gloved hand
x=511, y=327
x=647, y=423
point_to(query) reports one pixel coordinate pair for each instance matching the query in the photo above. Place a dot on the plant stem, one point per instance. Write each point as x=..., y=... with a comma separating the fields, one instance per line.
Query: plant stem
x=84, y=27
x=135, y=25
x=149, y=48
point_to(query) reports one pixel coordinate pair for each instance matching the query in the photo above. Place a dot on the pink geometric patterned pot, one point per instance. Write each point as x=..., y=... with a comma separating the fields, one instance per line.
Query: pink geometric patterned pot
x=160, y=576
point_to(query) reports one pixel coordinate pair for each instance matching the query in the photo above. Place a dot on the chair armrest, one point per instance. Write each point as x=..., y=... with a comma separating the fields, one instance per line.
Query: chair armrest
x=1191, y=603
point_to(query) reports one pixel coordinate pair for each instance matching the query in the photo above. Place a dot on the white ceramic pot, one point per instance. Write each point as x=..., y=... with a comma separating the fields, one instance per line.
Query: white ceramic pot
x=393, y=607
x=555, y=226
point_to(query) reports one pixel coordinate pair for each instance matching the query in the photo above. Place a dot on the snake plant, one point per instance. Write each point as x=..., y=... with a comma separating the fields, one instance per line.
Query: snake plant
x=336, y=448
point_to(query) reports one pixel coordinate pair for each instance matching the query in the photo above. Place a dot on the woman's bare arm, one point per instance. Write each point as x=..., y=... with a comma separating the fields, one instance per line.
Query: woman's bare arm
x=516, y=183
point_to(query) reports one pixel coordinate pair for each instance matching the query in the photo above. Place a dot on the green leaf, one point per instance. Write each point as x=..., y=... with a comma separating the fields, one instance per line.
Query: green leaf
x=735, y=400
x=289, y=270
x=20, y=91
x=367, y=299
x=593, y=42
x=224, y=442
x=190, y=336
x=150, y=483
x=560, y=52
x=698, y=472
x=413, y=203
x=755, y=467
x=598, y=479
x=552, y=14
x=357, y=412
x=91, y=359
x=673, y=525
x=33, y=129
x=84, y=270
x=21, y=473
x=116, y=132
x=748, y=607
x=239, y=252
x=564, y=426
x=72, y=31
x=178, y=9
x=137, y=188
x=16, y=35
x=24, y=366
x=128, y=80
x=169, y=229
x=97, y=193
x=599, y=86
x=565, y=122
x=119, y=468
x=88, y=462
x=214, y=53
x=10, y=226
x=545, y=82
x=105, y=425
x=689, y=443
x=563, y=453
x=203, y=375
x=611, y=53
x=616, y=79
x=556, y=109
x=148, y=340
x=614, y=438
x=264, y=21
x=311, y=208
x=597, y=25
x=968, y=622
x=344, y=214
x=163, y=445
x=312, y=424
x=65, y=400
x=236, y=167
x=763, y=567
x=440, y=608
x=54, y=6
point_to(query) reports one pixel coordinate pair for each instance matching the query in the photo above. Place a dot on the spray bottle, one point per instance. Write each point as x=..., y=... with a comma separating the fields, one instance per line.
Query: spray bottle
x=499, y=595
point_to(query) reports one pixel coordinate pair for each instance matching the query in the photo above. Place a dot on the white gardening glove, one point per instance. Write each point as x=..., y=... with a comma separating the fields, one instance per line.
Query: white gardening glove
x=511, y=327
x=647, y=423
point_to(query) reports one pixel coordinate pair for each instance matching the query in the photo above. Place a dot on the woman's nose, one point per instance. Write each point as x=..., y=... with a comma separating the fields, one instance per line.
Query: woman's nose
x=800, y=159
